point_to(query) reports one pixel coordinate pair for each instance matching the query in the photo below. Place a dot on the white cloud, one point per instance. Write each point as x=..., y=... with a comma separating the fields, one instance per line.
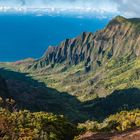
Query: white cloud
x=129, y=8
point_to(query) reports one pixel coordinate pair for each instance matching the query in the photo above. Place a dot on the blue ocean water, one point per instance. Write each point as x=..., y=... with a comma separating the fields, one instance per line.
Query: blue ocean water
x=24, y=36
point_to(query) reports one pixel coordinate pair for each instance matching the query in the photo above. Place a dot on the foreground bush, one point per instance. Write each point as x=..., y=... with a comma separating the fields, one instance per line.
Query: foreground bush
x=118, y=122
x=24, y=125
x=40, y=125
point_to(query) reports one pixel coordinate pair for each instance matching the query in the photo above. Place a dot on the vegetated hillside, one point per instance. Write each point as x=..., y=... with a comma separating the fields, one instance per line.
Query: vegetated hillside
x=86, y=78
x=23, y=124
x=121, y=126
x=90, y=68
x=93, y=64
x=33, y=95
x=120, y=37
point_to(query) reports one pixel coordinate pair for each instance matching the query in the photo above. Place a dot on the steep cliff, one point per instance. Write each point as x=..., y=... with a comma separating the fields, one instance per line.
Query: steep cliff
x=121, y=37
x=111, y=57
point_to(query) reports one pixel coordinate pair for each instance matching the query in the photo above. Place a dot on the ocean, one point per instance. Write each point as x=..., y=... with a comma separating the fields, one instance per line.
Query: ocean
x=28, y=36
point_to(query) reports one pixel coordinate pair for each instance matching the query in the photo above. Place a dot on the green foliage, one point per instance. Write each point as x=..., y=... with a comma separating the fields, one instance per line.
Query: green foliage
x=119, y=122
x=114, y=80
x=88, y=126
x=38, y=125
x=124, y=120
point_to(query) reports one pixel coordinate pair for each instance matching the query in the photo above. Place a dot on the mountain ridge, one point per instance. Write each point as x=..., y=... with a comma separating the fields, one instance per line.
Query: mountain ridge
x=120, y=37
x=93, y=64
x=87, y=78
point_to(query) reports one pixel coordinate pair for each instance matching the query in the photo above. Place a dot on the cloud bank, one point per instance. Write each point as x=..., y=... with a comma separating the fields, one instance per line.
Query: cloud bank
x=129, y=8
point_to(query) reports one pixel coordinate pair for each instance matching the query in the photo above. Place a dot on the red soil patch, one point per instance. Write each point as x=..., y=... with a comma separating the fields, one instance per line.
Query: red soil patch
x=127, y=135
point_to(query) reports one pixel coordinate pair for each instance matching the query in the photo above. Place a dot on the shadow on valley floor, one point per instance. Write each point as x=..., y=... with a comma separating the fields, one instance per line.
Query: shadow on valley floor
x=100, y=108
x=35, y=96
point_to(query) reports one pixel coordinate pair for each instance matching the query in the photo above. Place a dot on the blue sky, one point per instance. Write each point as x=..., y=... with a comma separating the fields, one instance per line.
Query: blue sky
x=128, y=8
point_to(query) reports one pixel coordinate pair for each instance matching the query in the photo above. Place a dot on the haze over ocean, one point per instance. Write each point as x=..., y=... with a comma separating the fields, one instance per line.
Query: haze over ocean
x=26, y=36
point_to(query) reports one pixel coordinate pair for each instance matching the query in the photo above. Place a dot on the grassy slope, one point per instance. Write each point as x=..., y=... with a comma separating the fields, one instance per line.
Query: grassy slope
x=87, y=87
x=115, y=75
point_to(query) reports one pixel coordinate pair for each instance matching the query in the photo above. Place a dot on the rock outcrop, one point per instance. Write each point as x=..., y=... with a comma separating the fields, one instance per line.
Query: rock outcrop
x=120, y=38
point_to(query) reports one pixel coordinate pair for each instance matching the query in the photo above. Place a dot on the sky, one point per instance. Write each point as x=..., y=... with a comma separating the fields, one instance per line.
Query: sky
x=127, y=8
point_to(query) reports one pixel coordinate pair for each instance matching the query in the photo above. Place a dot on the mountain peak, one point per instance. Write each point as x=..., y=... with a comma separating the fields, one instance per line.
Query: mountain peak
x=117, y=20
x=120, y=19
x=95, y=49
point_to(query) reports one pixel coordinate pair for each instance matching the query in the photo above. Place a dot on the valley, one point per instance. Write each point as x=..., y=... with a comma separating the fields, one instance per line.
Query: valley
x=87, y=78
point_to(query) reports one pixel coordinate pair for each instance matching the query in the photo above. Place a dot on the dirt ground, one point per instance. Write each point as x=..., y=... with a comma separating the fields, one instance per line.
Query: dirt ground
x=127, y=135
